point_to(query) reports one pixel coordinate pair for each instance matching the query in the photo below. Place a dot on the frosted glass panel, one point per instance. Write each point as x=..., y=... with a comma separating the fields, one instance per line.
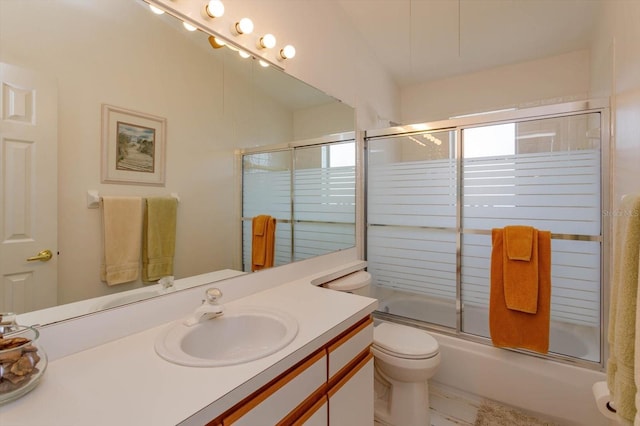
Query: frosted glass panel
x=311, y=193
x=430, y=212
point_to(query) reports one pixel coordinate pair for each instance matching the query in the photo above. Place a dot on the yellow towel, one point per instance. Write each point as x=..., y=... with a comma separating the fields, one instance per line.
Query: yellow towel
x=159, y=239
x=263, y=229
x=520, y=256
x=622, y=309
x=515, y=329
x=122, y=228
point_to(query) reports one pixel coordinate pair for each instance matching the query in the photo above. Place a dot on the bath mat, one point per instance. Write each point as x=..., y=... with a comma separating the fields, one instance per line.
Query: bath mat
x=491, y=413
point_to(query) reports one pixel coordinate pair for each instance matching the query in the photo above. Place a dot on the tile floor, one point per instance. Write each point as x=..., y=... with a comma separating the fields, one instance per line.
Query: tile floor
x=450, y=407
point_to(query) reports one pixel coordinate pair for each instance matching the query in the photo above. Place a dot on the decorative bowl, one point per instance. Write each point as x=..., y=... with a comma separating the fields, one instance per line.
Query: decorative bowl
x=22, y=361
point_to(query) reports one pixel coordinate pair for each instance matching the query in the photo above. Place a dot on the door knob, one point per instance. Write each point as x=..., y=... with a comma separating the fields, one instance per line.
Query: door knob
x=43, y=256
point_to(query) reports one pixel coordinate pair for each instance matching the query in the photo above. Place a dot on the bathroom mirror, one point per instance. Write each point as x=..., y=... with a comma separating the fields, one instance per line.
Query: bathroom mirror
x=215, y=103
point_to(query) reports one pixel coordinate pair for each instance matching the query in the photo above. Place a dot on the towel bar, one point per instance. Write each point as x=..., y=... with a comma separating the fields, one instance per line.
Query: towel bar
x=93, y=198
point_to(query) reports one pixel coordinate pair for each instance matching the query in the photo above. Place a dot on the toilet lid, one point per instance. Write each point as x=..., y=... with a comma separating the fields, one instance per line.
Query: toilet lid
x=350, y=282
x=405, y=341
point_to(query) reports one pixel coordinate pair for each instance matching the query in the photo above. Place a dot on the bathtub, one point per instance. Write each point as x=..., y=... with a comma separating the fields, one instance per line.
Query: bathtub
x=572, y=340
x=558, y=391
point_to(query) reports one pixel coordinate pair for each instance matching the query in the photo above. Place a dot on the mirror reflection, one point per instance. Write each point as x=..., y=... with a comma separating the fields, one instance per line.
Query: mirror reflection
x=84, y=55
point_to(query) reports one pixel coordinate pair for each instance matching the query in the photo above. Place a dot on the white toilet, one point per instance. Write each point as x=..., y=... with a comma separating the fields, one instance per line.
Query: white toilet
x=405, y=359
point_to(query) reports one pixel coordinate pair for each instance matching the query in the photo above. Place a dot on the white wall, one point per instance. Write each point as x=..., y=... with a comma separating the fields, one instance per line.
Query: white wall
x=616, y=71
x=548, y=80
x=620, y=70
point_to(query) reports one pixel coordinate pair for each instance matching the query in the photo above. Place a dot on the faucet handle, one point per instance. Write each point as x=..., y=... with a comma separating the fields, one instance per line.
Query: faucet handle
x=213, y=294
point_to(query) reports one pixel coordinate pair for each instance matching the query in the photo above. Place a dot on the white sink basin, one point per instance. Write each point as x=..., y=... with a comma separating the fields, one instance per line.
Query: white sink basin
x=240, y=335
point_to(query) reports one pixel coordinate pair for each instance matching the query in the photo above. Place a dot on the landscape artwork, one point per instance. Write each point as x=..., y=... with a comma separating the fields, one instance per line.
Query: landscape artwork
x=135, y=148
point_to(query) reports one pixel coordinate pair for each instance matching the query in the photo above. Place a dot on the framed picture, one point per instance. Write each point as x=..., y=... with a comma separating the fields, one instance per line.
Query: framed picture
x=133, y=147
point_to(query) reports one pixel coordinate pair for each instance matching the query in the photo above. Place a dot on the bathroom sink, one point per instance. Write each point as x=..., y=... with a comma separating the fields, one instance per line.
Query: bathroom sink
x=240, y=335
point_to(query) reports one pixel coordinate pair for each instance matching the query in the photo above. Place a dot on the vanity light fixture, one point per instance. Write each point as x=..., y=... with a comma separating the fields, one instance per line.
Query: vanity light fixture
x=214, y=8
x=267, y=41
x=243, y=26
x=216, y=43
x=187, y=26
x=156, y=10
x=287, y=52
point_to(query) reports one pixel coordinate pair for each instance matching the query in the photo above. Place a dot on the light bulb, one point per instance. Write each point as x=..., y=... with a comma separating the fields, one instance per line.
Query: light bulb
x=243, y=54
x=288, y=52
x=188, y=26
x=267, y=41
x=263, y=63
x=216, y=43
x=244, y=26
x=156, y=10
x=214, y=8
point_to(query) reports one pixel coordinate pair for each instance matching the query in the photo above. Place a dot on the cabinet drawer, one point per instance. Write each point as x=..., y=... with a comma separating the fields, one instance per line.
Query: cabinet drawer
x=275, y=402
x=349, y=346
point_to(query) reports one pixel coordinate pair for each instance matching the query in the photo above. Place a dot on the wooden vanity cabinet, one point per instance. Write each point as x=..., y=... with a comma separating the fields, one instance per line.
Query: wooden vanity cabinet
x=332, y=386
x=280, y=400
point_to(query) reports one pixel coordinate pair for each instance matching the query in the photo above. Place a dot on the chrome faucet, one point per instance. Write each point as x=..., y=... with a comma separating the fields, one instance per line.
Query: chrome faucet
x=208, y=310
x=166, y=283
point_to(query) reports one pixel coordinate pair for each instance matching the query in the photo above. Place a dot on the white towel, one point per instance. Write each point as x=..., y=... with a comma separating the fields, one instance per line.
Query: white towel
x=122, y=233
x=621, y=377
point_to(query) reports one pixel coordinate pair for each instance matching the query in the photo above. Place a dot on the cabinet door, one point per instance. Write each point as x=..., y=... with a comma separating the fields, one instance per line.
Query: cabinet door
x=282, y=397
x=351, y=399
x=318, y=415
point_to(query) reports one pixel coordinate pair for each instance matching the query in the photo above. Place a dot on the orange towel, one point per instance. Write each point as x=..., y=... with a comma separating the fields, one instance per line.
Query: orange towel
x=520, y=256
x=263, y=228
x=515, y=329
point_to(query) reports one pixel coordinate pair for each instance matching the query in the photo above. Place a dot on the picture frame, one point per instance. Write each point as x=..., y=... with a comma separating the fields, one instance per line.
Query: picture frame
x=133, y=147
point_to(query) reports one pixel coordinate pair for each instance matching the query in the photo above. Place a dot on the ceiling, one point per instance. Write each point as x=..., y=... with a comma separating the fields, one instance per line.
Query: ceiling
x=423, y=40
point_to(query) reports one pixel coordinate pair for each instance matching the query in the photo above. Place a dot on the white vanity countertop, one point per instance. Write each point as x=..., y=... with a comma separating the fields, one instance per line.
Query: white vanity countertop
x=125, y=382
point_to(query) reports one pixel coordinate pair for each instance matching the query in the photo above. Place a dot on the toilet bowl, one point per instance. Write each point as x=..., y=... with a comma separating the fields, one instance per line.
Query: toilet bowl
x=405, y=358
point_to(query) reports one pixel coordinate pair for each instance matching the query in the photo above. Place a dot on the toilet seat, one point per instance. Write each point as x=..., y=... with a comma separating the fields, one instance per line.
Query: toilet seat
x=404, y=342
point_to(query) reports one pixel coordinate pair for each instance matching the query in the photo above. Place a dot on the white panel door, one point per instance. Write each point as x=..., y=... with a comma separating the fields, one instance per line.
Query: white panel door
x=28, y=189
